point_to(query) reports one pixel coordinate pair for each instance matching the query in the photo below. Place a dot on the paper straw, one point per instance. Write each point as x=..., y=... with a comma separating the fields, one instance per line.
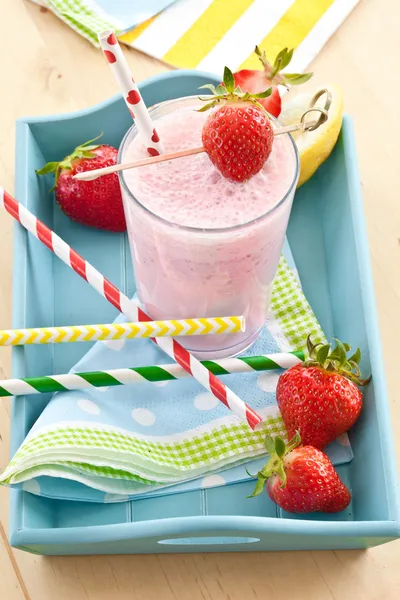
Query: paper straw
x=121, y=331
x=115, y=377
x=128, y=307
x=130, y=92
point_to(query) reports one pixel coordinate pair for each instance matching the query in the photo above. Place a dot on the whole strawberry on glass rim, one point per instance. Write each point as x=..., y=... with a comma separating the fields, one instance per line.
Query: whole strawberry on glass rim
x=254, y=81
x=320, y=398
x=301, y=479
x=238, y=134
x=96, y=203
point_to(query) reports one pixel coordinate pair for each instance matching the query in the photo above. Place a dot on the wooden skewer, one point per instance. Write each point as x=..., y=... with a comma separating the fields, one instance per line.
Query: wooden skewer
x=90, y=175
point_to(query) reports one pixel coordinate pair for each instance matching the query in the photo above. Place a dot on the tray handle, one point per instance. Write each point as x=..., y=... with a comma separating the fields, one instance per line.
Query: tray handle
x=212, y=540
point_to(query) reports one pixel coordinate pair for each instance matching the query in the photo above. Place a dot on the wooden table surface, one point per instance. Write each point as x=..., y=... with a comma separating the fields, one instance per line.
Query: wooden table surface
x=46, y=68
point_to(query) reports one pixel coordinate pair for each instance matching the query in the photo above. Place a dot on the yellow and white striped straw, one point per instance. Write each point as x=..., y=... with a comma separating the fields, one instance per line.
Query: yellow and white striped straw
x=121, y=331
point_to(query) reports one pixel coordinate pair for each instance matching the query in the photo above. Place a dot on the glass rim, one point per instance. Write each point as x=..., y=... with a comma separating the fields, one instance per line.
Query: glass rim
x=215, y=230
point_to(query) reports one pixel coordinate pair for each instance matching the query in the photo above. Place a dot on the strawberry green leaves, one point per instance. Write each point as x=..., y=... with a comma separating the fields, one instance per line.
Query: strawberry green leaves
x=269, y=444
x=82, y=151
x=280, y=447
x=263, y=94
x=297, y=78
x=274, y=71
x=229, y=80
x=335, y=360
x=259, y=488
x=356, y=357
x=208, y=86
x=283, y=58
x=277, y=449
x=50, y=167
x=322, y=354
x=228, y=92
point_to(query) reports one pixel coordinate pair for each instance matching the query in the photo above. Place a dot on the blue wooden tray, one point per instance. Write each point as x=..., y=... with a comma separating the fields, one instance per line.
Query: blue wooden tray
x=328, y=239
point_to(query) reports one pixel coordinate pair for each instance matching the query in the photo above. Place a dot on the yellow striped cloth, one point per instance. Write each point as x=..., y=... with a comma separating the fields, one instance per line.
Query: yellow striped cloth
x=209, y=34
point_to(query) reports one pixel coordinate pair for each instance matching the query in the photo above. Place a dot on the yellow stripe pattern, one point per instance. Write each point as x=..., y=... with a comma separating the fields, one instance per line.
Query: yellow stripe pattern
x=192, y=42
x=291, y=30
x=117, y=331
x=202, y=36
x=131, y=36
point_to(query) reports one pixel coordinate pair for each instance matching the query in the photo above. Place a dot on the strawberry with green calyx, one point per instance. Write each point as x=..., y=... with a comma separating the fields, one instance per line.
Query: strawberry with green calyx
x=336, y=360
x=96, y=203
x=237, y=135
x=320, y=398
x=254, y=81
x=301, y=479
x=230, y=92
x=83, y=151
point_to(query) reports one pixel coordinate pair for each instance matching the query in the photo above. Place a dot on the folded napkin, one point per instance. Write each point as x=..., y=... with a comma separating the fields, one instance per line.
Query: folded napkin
x=111, y=444
x=208, y=34
x=90, y=17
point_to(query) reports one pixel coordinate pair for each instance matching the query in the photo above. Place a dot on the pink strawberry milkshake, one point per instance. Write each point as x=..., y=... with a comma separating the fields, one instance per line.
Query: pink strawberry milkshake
x=203, y=245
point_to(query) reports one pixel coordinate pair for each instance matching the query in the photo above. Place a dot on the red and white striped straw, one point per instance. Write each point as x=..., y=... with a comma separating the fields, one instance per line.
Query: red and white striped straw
x=128, y=307
x=130, y=91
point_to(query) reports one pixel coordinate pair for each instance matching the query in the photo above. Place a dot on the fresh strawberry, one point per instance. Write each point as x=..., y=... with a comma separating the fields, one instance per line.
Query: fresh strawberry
x=96, y=203
x=255, y=81
x=301, y=479
x=237, y=136
x=320, y=398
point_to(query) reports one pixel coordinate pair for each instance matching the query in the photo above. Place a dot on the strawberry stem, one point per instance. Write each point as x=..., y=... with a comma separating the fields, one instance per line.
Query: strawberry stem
x=282, y=60
x=82, y=151
x=335, y=360
x=277, y=449
x=228, y=92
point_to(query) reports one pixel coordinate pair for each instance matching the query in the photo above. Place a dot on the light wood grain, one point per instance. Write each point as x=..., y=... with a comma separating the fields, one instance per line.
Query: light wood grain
x=49, y=69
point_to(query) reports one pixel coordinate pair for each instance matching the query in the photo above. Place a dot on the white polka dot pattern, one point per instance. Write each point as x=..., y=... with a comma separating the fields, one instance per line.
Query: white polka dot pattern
x=268, y=381
x=88, y=406
x=143, y=416
x=114, y=344
x=205, y=401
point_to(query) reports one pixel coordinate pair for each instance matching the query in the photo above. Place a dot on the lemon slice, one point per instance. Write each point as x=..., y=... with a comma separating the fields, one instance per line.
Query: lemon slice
x=314, y=146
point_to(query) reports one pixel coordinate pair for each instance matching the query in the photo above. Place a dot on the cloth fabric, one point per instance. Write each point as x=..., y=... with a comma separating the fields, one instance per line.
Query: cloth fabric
x=90, y=17
x=209, y=34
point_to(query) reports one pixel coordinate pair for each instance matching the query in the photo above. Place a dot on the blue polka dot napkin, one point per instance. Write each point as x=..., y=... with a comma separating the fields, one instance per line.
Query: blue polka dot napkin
x=111, y=444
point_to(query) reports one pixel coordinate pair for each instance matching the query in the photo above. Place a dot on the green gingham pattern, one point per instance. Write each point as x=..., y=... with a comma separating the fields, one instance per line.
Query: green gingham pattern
x=114, y=460
x=86, y=469
x=182, y=456
x=83, y=18
x=290, y=308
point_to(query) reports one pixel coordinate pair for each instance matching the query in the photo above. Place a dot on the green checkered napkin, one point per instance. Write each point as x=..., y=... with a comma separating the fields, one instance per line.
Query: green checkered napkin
x=84, y=16
x=117, y=460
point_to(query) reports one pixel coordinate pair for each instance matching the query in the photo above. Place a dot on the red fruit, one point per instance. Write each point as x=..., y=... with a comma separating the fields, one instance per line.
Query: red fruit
x=320, y=398
x=96, y=203
x=238, y=139
x=237, y=136
x=301, y=480
x=112, y=40
x=255, y=81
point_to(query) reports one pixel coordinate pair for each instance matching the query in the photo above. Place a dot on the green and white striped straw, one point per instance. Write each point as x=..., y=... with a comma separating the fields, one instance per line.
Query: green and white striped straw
x=155, y=373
